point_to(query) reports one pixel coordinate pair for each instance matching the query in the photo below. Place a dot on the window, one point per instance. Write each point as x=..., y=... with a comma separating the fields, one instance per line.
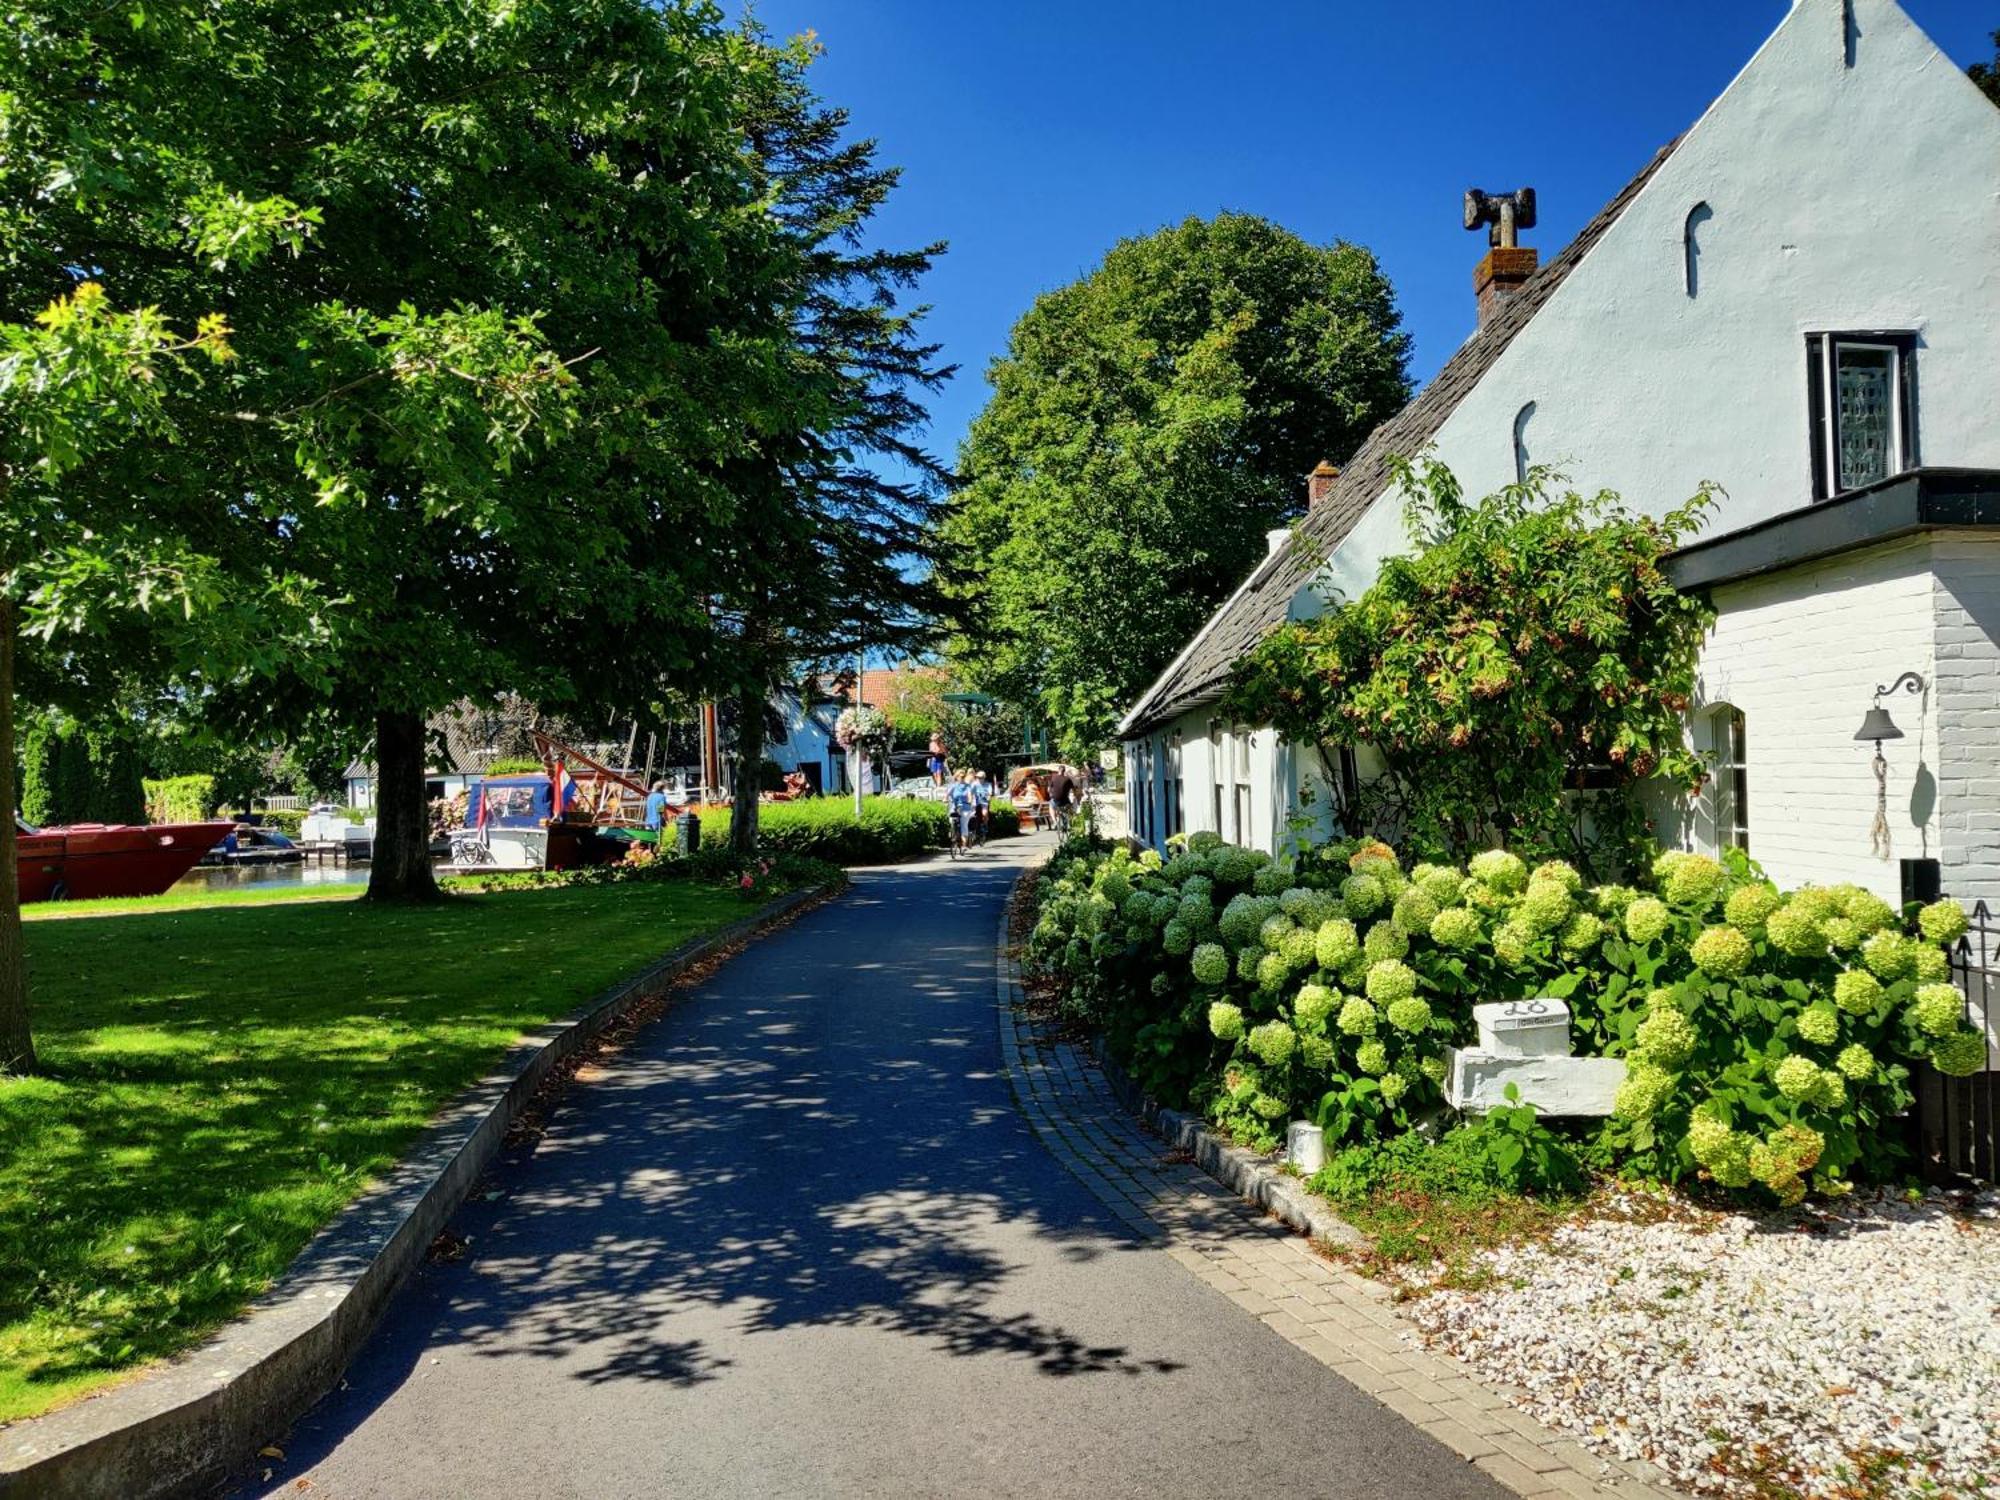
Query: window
x=1176, y=812
x=1215, y=772
x=1732, y=779
x=1699, y=215
x=1861, y=389
x=1242, y=835
x=1521, y=420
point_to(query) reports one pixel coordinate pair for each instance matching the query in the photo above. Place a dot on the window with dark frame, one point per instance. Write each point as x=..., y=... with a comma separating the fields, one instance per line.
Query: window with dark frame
x=1861, y=395
x=1732, y=780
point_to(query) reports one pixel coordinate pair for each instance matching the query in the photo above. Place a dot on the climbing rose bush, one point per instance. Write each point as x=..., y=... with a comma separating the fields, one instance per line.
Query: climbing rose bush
x=1768, y=1037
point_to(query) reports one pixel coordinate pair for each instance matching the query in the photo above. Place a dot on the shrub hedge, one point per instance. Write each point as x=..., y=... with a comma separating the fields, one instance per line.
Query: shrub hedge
x=1768, y=1036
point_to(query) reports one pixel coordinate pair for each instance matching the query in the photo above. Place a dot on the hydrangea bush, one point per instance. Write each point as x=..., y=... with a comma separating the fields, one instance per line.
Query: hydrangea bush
x=1768, y=1037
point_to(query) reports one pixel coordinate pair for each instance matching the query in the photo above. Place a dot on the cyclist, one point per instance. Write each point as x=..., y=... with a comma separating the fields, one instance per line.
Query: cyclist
x=982, y=799
x=964, y=806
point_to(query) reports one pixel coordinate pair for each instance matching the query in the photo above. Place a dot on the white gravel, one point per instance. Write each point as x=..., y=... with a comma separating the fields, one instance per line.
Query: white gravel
x=1797, y=1346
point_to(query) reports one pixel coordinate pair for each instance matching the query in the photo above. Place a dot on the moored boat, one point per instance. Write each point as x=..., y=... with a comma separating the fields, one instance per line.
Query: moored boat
x=86, y=861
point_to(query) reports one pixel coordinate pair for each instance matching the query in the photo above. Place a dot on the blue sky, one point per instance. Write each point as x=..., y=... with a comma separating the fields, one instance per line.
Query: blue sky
x=1034, y=135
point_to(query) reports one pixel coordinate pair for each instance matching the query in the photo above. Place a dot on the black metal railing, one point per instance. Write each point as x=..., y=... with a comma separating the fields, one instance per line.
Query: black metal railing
x=1958, y=1119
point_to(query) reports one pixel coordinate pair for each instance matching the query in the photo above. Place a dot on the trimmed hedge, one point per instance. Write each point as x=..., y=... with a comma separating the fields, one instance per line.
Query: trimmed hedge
x=891, y=828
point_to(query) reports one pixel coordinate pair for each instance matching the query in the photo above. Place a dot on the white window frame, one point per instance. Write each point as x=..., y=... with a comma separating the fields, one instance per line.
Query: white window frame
x=1825, y=349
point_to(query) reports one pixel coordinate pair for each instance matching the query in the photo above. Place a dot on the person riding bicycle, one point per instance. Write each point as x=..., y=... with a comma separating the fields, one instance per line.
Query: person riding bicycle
x=964, y=805
x=1062, y=796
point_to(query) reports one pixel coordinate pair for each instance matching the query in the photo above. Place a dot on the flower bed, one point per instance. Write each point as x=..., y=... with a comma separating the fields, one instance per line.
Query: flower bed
x=1768, y=1036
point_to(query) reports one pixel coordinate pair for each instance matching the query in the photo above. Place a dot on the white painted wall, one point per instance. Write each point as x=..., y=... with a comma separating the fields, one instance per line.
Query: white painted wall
x=1843, y=199
x=1966, y=695
x=1255, y=758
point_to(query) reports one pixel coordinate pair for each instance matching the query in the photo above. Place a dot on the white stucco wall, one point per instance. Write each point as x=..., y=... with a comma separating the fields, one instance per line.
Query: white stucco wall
x=1843, y=198
x=1257, y=760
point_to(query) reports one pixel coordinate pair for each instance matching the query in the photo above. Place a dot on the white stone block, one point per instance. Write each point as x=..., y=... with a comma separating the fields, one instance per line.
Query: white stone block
x=1305, y=1147
x=1523, y=1028
x=1557, y=1086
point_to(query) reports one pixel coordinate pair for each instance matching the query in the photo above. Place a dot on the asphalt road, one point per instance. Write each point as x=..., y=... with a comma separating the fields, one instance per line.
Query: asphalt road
x=797, y=1241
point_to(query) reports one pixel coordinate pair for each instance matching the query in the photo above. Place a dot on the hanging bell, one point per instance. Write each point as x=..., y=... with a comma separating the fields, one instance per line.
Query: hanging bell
x=1877, y=726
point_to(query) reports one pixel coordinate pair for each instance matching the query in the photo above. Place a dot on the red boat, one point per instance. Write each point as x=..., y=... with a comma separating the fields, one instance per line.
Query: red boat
x=87, y=860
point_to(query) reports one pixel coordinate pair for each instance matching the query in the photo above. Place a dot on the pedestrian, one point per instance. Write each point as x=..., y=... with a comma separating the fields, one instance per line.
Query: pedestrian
x=937, y=763
x=982, y=800
x=656, y=806
x=959, y=799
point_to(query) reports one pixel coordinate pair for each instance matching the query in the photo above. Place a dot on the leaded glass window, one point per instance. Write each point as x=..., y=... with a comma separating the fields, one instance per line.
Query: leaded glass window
x=1863, y=421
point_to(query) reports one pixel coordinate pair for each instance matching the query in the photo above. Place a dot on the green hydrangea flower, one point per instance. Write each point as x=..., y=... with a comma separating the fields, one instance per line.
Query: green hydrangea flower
x=1273, y=881
x=1942, y=922
x=1414, y=911
x=1354, y=973
x=1195, y=913
x=1247, y=961
x=1795, y=929
x=1642, y=1093
x=1113, y=885
x=1666, y=1038
x=1723, y=952
x=1232, y=866
x=1316, y=1052
x=1390, y=980
x=1432, y=1068
x=1362, y=895
x=1268, y=1106
x=1273, y=1042
x=1694, y=881
x=1932, y=966
x=1707, y=1134
x=1510, y=943
x=1818, y=901
x=1439, y=882
x=1225, y=1021
x=1210, y=964
x=1646, y=918
x=1889, y=955
x=1357, y=1017
x=1299, y=949
x=1311, y=909
x=1204, y=841
x=1372, y=1058
x=1843, y=934
x=1271, y=932
x=1545, y=907
x=1498, y=870
x=1937, y=1009
x=1959, y=1055
x=1393, y=1088
x=1832, y=1090
x=1178, y=938
x=1856, y=1062
x=1312, y=1005
x=1336, y=944
x=1747, y=907
x=1412, y=1015
x=1385, y=940
x=1820, y=1025
x=1272, y=971
x=1797, y=1077
x=1866, y=910
x=1611, y=900
x=1557, y=872
x=1581, y=933
x=1456, y=927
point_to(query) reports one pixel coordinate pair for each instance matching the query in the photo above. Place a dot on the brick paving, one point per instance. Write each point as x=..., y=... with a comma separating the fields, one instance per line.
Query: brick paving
x=1346, y=1322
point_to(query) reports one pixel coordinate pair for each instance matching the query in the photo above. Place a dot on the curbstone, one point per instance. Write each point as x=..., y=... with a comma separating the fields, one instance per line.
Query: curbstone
x=185, y=1427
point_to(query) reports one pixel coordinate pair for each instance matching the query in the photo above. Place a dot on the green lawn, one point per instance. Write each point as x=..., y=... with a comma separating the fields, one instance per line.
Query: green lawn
x=219, y=1081
x=184, y=899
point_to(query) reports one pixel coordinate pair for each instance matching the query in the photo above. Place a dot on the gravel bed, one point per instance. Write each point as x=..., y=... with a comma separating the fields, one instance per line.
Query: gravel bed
x=1851, y=1349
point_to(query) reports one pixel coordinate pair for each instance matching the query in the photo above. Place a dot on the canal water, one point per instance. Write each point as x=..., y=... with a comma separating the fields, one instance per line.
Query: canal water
x=243, y=877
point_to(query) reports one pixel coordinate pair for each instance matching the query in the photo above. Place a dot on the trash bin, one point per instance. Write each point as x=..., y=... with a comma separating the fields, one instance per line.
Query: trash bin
x=687, y=834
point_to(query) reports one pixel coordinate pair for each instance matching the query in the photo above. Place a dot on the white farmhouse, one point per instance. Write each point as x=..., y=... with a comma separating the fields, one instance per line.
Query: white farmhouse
x=1799, y=299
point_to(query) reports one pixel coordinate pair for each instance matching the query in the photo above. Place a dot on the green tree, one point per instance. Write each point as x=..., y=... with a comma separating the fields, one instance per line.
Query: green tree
x=1530, y=648
x=1148, y=424
x=1987, y=75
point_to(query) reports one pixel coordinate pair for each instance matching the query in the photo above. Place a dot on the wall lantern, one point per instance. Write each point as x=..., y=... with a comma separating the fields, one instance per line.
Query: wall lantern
x=1877, y=726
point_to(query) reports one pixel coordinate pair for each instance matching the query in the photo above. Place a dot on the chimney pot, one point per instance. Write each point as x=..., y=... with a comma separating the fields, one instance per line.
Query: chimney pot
x=1319, y=483
x=1504, y=271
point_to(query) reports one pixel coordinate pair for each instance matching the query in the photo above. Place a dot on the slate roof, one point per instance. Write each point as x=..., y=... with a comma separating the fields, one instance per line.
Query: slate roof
x=1260, y=605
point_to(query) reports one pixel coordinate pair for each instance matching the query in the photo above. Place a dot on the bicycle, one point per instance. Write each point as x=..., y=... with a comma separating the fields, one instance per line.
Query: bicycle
x=961, y=823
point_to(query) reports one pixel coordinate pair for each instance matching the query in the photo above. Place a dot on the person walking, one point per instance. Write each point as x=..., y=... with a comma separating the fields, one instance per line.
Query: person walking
x=959, y=799
x=937, y=764
x=982, y=803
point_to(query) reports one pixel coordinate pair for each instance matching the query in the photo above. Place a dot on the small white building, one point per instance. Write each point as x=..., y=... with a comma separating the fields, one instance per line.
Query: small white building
x=1798, y=299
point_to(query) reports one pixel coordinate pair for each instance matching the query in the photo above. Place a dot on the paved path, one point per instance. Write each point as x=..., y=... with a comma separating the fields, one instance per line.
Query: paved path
x=798, y=1240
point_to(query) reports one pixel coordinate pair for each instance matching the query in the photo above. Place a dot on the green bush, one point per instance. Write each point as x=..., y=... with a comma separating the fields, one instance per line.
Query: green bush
x=287, y=821
x=1768, y=1037
x=515, y=765
x=891, y=828
x=1003, y=820
x=180, y=799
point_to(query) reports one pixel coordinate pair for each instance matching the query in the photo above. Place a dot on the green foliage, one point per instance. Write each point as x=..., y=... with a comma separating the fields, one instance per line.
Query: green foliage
x=981, y=738
x=180, y=799
x=515, y=765
x=1148, y=424
x=1530, y=646
x=1750, y=1061
x=1987, y=75
x=890, y=828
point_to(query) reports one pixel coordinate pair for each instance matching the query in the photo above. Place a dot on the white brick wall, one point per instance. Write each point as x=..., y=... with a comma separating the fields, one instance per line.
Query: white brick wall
x=1800, y=654
x=1967, y=693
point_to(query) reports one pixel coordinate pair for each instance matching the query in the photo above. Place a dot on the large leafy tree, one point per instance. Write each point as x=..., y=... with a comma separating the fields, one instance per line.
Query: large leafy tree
x=1148, y=424
x=1987, y=75
x=1527, y=650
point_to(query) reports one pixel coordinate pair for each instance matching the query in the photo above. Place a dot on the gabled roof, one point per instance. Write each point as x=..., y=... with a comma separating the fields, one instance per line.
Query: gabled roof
x=1261, y=604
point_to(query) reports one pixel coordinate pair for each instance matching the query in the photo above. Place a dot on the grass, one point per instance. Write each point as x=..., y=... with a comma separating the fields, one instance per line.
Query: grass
x=185, y=900
x=220, y=1081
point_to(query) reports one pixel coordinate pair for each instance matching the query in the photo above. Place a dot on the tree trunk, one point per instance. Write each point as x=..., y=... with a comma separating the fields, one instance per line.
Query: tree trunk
x=402, y=866
x=749, y=762
x=17, y=1043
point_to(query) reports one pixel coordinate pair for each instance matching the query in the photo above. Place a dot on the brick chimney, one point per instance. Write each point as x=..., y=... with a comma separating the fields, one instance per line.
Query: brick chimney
x=1508, y=264
x=1319, y=483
